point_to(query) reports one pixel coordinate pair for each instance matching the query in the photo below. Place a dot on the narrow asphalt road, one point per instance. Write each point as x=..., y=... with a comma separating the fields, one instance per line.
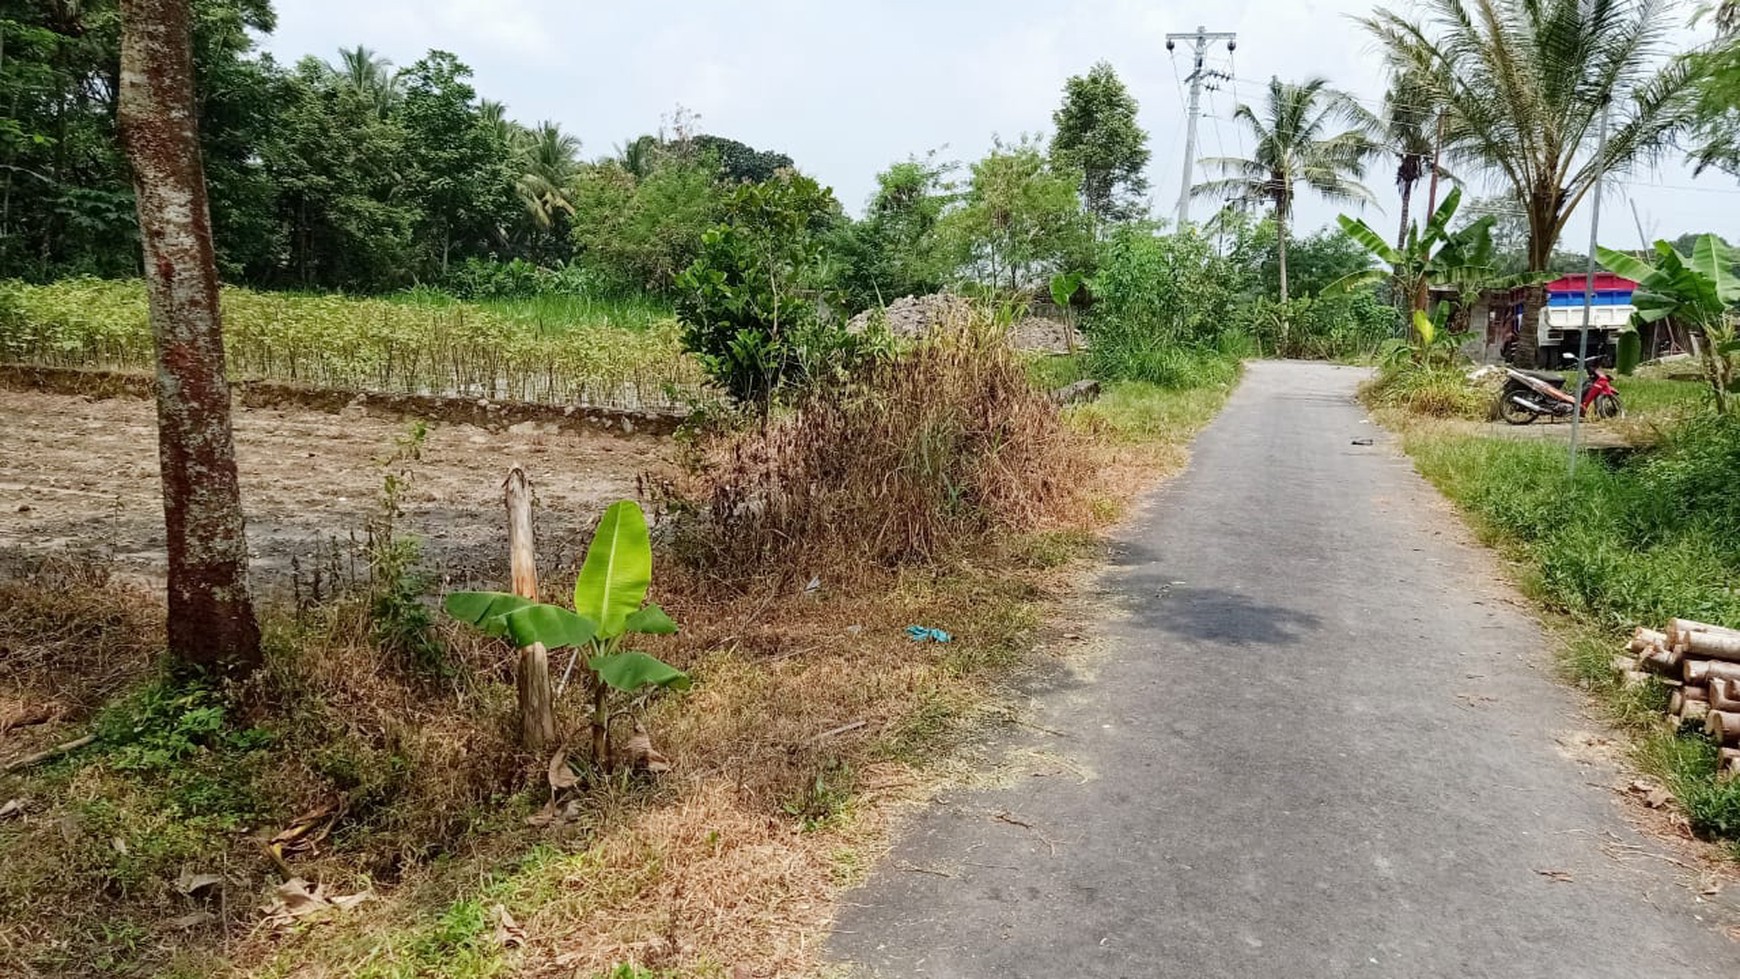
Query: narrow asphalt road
x=1323, y=740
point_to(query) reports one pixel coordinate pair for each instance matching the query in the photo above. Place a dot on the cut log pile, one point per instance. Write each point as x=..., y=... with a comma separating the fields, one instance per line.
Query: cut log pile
x=1701, y=664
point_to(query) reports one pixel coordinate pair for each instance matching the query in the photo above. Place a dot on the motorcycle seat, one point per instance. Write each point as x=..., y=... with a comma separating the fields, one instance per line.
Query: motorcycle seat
x=1556, y=380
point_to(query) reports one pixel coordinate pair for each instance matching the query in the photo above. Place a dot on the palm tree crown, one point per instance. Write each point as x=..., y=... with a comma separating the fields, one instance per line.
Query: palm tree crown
x=1300, y=142
x=548, y=163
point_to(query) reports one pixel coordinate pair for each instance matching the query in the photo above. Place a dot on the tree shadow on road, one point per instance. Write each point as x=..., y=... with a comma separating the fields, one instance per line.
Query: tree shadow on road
x=1212, y=615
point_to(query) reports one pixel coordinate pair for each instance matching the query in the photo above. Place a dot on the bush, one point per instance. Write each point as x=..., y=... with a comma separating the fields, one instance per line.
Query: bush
x=1429, y=389
x=751, y=304
x=918, y=454
x=1341, y=326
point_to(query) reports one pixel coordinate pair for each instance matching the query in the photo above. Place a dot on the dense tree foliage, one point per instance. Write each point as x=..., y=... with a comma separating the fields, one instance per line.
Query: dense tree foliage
x=1097, y=135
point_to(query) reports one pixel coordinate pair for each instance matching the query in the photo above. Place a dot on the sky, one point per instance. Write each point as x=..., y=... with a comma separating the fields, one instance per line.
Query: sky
x=846, y=89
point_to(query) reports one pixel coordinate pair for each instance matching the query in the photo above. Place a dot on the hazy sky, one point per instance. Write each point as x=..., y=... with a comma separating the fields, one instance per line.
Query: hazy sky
x=847, y=88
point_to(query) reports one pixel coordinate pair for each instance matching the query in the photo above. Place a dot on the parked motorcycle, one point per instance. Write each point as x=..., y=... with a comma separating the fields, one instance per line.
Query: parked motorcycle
x=1528, y=395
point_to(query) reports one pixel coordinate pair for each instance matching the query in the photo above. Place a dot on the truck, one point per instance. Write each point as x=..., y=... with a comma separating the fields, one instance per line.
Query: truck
x=1561, y=318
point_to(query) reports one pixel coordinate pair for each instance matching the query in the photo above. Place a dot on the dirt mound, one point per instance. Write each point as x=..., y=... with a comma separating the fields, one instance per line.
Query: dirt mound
x=919, y=316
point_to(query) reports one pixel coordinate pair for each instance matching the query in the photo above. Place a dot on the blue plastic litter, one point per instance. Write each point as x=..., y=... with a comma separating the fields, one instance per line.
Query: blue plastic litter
x=921, y=633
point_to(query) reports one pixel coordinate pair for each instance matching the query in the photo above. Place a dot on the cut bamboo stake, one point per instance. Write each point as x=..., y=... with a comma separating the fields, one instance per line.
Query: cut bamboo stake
x=537, y=709
x=1680, y=630
x=1730, y=762
x=1704, y=670
x=1664, y=661
x=1724, y=726
x=1716, y=645
x=1723, y=695
x=1643, y=638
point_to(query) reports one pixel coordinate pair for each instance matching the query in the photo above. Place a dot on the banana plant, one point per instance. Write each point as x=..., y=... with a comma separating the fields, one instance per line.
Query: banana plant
x=1699, y=291
x=609, y=606
x=1433, y=254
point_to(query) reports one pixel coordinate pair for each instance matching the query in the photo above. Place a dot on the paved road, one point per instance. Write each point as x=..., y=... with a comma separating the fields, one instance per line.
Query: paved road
x=1322, y=743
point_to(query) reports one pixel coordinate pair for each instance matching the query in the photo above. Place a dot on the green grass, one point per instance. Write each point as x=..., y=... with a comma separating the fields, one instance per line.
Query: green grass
x=1618, y=545
x=1136, y=412
x=1653, y=397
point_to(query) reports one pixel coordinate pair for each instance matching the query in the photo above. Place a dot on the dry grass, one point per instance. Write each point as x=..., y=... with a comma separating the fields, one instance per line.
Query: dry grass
x=920, y=454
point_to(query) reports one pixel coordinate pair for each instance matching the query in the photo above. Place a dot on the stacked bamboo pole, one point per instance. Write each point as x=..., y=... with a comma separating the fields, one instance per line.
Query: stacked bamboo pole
x=1701, y=663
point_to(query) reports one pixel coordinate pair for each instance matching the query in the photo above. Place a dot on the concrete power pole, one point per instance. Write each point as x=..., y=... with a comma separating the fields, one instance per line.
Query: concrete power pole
x=1201, y=38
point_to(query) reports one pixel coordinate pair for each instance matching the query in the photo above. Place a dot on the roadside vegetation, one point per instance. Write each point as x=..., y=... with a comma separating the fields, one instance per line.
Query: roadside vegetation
x=867, y=531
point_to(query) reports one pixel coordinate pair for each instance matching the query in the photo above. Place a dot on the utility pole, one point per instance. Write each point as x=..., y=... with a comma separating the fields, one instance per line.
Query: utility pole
x=1589, y=288
x=1200, y=38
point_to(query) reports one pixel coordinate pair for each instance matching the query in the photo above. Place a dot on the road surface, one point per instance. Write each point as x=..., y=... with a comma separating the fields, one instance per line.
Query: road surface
x=1322, y=741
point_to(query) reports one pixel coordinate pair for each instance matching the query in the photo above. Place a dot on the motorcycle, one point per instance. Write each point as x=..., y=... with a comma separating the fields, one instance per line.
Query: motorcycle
x=1528, y=395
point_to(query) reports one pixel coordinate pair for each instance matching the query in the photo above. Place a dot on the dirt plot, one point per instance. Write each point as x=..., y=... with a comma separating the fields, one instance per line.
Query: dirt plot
x=81, y=473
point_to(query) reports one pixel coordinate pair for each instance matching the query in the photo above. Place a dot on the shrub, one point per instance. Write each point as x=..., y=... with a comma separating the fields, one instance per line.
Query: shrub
x=918, y=453
x=751, y=304
x=1429, y=389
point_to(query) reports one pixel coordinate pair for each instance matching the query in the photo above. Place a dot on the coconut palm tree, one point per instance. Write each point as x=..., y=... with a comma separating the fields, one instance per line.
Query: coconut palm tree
x=362, y=70
x=548, y=160
x=1405, y=129
x=1522, y=84
x=1296, y=147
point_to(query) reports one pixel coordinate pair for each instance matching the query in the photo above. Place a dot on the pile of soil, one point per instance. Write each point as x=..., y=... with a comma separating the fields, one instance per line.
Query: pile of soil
x=919, y=316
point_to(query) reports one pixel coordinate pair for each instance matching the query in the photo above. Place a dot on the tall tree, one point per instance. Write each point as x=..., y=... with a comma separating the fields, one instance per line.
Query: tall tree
x=1407, y=129
x=1020, y=220
x=211, y=617
x=462, y=173
x=1097, y=134
x=1523, y=83
x=1297, y=144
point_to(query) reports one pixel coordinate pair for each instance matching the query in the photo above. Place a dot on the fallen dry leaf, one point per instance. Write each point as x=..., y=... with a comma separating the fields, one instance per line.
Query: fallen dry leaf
x=1562, y=876
x=295, y=899
x=561, y=775
x=190, y=883
x=508, y=932
x=1658, y=799
x=193, y=920
x=642, y=754
x=13, y=807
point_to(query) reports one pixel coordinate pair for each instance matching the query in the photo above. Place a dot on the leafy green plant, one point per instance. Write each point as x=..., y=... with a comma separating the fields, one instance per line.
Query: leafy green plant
x=1700, y=292
x=1433, y=255
x=609, y=606
x=750, y=303
x=399, y=620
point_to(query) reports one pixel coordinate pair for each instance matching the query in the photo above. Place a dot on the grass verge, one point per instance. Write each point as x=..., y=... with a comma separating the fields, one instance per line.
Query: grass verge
x=1630, y=539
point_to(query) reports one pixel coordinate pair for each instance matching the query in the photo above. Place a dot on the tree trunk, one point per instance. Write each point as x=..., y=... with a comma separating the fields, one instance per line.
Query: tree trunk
x=1398, y=287
x=1706, y=671
x=211, y=616
x=1281, y=261
x=537, y=709
x=1528, y=343
x=1407, y=198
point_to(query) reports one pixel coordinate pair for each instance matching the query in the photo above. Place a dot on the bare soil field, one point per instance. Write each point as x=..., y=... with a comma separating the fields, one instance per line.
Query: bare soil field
x=78, y=473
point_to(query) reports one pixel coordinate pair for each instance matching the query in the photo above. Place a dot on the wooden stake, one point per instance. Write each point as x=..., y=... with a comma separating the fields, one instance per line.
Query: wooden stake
x=537, y=705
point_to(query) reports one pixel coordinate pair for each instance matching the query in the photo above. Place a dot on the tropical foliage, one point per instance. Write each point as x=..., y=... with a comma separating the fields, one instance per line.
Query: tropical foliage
x=1523, y=85
x=1299, y=144
x=1699, y=291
